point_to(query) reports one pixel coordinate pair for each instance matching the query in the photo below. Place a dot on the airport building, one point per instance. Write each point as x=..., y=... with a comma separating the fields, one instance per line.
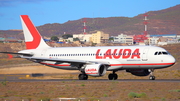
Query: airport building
x=153, y=40
x=100, y=37
x=166, y=35
x=123, y=39
x=163, y=39
x=83, y=37
x=10, y=40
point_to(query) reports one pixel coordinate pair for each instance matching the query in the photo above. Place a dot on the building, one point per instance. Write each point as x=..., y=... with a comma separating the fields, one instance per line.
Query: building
x=153, y=40
x=10, y=40
x=164, y=39
x=166, y=35
x=123, y=39
x=100, y=37
x=83, y=37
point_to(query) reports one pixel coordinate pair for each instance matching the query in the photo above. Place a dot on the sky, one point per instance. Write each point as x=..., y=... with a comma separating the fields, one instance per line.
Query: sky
x=60, y=11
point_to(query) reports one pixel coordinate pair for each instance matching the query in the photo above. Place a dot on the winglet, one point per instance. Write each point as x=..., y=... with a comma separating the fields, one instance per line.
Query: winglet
x=10, y=56
x=32, y=37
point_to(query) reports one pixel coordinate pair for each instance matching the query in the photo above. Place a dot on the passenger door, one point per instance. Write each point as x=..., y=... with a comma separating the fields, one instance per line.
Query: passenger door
x=144, y=55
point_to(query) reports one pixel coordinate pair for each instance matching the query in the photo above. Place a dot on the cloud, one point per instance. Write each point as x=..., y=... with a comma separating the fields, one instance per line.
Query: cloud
x=8, y=3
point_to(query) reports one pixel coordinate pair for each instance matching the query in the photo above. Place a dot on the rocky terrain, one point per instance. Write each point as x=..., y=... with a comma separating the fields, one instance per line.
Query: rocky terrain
x=164, y=21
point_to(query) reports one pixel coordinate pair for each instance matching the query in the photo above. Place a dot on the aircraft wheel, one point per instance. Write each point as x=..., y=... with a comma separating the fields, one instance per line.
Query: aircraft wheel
x=152, y=78
x=112, y=76
x=83, y=77
x=115, y=76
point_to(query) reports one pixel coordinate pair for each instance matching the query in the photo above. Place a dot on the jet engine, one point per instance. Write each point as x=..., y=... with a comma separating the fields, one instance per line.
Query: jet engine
x=139, y=72
x=95, y=70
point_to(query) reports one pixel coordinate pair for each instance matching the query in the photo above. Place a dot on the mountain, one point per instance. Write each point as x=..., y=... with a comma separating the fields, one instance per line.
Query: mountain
x=166, y=21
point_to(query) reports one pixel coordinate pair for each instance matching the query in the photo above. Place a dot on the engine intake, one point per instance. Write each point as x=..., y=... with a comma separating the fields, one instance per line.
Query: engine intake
x=95, y=70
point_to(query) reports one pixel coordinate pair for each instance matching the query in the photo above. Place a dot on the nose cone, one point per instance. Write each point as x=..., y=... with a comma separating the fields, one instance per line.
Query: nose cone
x=171, y=60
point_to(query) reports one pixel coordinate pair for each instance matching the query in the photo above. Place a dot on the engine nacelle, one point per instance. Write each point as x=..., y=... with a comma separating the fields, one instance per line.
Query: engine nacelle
x=95, y=70
x=139, y=72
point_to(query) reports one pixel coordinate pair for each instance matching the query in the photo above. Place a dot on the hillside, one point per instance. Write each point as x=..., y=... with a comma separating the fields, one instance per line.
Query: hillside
x=164, y=21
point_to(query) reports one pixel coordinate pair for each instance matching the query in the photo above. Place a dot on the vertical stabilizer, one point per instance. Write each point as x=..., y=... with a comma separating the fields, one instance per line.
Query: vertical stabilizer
x=32, y=37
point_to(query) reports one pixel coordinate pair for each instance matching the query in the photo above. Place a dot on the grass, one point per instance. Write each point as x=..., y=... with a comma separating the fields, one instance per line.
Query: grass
x=44, y=99
x=90, y=90
x=82, y=85
x=105, y=95
x=176, y=90
x=4, y=83
x=163, y=99
x=137, y=95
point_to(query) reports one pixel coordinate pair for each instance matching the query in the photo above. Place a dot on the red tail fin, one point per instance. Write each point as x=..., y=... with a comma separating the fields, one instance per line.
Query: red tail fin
x=33, y=38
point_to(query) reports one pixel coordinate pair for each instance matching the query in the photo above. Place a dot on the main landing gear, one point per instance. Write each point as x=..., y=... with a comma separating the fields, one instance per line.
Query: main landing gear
x=113, y=76
x=152, y=77
x=83, y=76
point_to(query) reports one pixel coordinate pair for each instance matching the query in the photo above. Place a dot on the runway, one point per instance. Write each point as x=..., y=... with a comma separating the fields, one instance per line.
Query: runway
x=17, y=78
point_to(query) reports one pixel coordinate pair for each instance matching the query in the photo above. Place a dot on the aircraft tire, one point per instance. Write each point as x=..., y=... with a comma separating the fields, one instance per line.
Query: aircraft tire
x=152, y=78
x=83, y=77
x=115, y=76
x=112, y=76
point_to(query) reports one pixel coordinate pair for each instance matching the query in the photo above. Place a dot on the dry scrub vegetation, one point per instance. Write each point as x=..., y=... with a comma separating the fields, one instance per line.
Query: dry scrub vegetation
x=91, y=90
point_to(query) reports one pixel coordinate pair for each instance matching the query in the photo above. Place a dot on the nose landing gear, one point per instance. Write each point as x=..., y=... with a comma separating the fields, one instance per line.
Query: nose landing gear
x=152, y=77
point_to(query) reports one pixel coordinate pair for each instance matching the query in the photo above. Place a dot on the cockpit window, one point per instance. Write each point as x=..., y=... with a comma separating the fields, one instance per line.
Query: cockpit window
x=165, y=53
x=161, y=53
x=155, y=53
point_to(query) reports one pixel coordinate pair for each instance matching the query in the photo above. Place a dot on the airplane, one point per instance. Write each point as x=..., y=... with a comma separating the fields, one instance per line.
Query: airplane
x=93, y=61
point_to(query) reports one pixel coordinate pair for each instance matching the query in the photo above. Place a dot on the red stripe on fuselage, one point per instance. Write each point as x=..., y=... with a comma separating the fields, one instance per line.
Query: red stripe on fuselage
x=141, y=64
x=63, y=65
x=35, y=34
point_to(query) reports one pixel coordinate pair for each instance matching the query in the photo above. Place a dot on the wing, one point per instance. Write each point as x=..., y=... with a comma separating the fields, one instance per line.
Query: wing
x=40, y=59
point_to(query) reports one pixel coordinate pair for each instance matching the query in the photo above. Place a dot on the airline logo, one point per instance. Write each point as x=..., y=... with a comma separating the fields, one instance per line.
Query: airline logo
x=118, y=53
x=36, y=38
x=91, y=71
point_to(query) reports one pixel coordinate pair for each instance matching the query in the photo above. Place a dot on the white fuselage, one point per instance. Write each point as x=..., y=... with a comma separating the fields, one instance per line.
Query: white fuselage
x=117, y=57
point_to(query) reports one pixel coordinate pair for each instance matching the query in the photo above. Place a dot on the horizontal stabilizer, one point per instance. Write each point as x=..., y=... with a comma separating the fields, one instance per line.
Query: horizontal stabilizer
x=25, y=54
